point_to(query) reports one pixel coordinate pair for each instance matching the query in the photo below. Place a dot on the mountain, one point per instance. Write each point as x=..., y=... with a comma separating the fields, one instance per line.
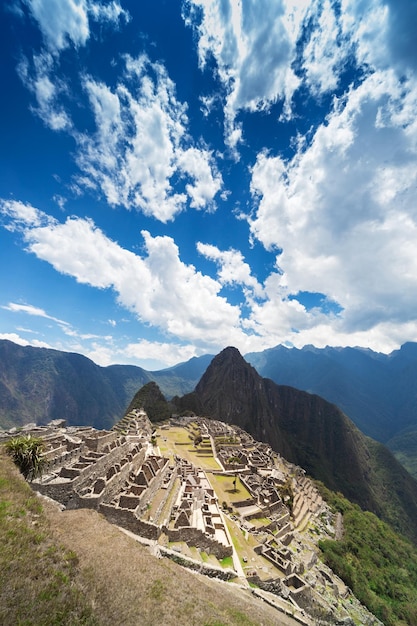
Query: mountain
x=311, y=432
x=39, y=385
x=377, y=391
x=181, y=378
x=151, y=399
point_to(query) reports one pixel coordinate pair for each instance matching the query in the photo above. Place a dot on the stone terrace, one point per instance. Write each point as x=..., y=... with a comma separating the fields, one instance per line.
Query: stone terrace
x=169, y=500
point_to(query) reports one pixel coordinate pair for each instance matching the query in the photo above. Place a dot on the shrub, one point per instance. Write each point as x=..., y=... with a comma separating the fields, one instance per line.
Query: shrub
x=26, y=452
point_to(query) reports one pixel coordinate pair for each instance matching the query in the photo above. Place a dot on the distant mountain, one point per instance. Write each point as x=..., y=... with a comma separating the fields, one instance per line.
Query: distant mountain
x=151, y=399
x=38, y=385
x=311, y=432
x=377, y=391
x=181, y=378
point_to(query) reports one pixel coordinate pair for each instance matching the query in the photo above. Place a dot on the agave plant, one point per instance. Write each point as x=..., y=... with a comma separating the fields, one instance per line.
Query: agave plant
x=26, y=452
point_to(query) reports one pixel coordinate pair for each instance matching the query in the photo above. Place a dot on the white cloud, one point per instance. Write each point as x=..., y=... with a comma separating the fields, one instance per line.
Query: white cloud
x=233, y=270
x=31, y=310
x=65, y=22
x=326, y=50
x=164, y=292
x=253, y=44
x=61, y=21
x=19, y=215
x=343, y=210
x=383, y=31
x=140, y=144
x=38, y=76
x=264, y=51
x=154, y=354
x=157, y=287
x=199, y=165
x=111, y=12
x=23, y=342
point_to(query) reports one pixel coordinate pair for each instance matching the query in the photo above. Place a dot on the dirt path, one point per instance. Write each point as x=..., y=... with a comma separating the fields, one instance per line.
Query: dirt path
x=339, y=530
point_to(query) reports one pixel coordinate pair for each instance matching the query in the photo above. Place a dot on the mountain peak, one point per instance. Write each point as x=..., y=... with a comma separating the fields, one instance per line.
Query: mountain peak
x=228, y=372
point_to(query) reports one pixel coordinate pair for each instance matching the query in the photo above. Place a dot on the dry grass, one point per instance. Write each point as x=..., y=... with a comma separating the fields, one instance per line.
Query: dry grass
x=73, y=567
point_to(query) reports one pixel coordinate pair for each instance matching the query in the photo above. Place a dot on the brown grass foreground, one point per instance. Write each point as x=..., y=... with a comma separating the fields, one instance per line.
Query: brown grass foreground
x=73, y=567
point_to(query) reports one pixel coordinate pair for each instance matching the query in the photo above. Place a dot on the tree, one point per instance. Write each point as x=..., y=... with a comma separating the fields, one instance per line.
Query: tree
x=26, y=452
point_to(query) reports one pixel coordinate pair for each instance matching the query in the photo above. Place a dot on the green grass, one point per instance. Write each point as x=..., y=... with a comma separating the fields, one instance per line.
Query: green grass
x=224, y=488
x=71, y=568
x=38, y=579
x=227, y=562
x=178, y=440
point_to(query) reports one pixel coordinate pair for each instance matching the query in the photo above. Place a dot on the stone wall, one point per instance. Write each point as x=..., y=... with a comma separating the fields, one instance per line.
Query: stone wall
x=70, y=492
x=128, y=520
x=201, y=568
x=196, y=538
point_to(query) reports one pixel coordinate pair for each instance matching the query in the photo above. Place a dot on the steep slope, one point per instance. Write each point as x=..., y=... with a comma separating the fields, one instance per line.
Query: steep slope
x=70, y=567
x=378, y=391
x=310, y=432
x=152, y=401
x=38, y=385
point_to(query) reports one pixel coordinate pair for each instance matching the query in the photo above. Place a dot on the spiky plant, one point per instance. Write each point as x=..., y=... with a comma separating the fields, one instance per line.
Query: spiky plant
x=26, y=452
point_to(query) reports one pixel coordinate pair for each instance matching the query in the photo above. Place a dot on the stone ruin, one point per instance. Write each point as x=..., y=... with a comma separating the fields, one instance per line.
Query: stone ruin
x=121, y=474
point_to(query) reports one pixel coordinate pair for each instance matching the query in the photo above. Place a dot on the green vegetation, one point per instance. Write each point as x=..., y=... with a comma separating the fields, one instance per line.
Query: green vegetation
x=39, y=581
x=404, y=448
x=26, y=452
x=379, y=565
x=227, y=562
x=150, y=398
x=226, y=490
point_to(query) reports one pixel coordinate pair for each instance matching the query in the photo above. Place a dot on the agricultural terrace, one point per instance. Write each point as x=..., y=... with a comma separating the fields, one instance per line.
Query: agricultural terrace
x=178, y=440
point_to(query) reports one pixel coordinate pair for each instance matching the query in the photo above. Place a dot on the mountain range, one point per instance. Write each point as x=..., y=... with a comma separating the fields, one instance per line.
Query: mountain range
x=377, y=391
x=310, y=432
x=38, y=385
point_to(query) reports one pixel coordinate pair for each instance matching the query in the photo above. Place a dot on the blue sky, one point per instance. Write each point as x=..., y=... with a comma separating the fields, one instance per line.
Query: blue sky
x=176, y=177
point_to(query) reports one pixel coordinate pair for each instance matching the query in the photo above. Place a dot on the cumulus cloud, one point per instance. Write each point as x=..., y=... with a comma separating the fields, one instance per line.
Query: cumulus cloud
x=326, y=48
x=141, y=144
x=343, y=210
x=63, y=23
x=264, y=51
x=340, y=213
x=233, y=270
x=157, y=287
x=17, y=215
x=253, y=45
x=38, y=77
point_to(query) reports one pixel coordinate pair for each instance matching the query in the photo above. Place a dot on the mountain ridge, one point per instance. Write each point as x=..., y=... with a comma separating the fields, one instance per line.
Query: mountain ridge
x=377, y=391
x=310, y=432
